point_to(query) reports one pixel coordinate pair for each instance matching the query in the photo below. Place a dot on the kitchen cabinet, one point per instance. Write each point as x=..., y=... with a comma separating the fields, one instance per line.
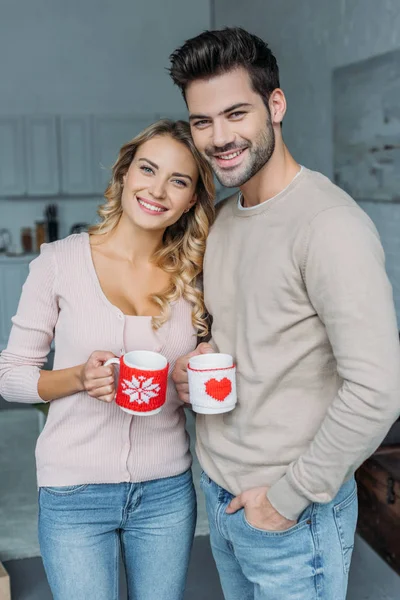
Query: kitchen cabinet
x=13, y=273
x=12, y=158
x=42, y=156
x=110, y=133
x=71, y=155
x=77, y=165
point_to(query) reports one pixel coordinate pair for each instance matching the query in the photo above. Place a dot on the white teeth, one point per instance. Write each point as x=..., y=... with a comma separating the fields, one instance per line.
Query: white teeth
x=150, y=206
x=230, y=156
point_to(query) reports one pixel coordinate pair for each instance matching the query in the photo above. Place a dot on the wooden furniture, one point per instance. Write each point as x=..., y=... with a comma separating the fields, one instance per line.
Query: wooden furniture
x=378, y=481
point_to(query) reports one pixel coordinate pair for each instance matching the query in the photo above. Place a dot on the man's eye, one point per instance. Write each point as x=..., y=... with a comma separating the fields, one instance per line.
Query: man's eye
x=201, y=123
x=237, y=114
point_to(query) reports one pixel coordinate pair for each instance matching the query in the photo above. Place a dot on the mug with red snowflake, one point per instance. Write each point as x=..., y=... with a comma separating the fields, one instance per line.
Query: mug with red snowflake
x=142, y=382
x=212, y=383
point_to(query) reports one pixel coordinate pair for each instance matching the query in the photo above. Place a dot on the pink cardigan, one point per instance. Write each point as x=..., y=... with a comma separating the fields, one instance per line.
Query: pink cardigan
x=86, y=440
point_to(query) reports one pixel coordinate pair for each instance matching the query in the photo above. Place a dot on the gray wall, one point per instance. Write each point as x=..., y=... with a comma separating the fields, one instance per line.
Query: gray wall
x=88, y=57
x=310, y=38
x=93, y=56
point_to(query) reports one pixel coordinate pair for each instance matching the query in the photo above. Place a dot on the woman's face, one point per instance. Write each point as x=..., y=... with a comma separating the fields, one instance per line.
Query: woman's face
x=160, y=184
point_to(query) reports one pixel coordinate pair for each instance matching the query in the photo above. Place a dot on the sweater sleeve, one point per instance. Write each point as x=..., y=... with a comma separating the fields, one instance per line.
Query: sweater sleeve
x=345, y=278
x=32, y=332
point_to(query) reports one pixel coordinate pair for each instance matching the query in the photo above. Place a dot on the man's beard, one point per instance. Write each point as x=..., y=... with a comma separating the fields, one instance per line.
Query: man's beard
x=259, y=154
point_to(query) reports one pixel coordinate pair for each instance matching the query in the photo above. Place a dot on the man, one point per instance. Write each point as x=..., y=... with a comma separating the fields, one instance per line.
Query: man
x=295, y=282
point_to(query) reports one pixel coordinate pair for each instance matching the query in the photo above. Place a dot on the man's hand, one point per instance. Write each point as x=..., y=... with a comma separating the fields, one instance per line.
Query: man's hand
x=179, y=374
x=259, y=511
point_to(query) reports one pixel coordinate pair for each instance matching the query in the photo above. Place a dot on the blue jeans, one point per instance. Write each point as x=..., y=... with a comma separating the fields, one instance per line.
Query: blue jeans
x=309, y=561
x=83, y=527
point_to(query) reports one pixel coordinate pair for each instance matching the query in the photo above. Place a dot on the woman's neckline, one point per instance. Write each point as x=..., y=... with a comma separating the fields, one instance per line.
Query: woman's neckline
x=97, y=283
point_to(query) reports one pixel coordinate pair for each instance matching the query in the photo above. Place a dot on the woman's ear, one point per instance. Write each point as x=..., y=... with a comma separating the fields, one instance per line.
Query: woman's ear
x=192, y=202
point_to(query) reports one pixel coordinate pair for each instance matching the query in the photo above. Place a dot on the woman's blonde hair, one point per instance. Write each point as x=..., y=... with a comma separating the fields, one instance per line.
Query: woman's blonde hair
x=184, y=242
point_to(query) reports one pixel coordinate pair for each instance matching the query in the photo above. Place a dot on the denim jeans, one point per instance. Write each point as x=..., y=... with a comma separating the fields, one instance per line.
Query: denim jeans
x=83, y=527
x=309, y=561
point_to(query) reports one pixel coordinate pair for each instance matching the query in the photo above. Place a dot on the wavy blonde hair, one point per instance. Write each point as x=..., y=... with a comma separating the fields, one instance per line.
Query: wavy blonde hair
x=184, y=242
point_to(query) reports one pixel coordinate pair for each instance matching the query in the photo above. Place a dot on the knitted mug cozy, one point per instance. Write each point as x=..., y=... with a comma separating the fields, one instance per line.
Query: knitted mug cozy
x=212, y=390
x=140, y=391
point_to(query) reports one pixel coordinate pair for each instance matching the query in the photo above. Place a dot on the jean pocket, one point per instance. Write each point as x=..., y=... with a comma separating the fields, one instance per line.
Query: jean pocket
x=304, y=521
x=346, y=513
x=204, y=480
x=64, y=490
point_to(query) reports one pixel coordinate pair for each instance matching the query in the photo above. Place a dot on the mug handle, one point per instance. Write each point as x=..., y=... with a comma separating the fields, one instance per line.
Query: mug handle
x=112, y=361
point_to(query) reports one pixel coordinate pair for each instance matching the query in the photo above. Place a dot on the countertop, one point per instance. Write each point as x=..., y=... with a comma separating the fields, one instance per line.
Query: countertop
x=18, y=258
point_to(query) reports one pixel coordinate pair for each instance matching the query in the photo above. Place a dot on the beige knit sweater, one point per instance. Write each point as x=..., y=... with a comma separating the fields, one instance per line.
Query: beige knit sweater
x=299, y=296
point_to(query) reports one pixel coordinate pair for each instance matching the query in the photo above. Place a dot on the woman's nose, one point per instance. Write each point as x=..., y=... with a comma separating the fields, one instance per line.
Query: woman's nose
x=158, y=188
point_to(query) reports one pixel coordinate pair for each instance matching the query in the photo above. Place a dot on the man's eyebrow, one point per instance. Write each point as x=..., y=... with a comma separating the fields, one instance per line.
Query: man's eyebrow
x=153, y=164
x=195, y=116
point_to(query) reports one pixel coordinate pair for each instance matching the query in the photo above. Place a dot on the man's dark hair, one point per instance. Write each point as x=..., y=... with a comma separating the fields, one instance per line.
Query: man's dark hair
x=215, y=52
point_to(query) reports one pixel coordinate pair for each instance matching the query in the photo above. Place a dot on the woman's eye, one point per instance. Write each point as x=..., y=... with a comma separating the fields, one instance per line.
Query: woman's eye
x=180, y=182
x=146, y=169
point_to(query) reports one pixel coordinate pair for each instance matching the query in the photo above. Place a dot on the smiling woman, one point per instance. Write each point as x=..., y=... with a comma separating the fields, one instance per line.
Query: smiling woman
x=130, y=284
x=163, y=188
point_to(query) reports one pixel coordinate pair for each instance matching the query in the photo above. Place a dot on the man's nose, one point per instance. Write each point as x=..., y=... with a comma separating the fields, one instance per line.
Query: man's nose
x=222, y=134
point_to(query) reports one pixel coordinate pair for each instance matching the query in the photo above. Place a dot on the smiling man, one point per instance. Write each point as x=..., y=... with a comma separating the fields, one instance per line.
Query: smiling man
x=295, y=281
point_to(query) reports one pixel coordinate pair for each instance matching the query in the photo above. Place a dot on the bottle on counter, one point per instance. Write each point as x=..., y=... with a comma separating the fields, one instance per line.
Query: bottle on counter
x=26, y=240
x=5, y=240
x=52, y=222
x=40, y=233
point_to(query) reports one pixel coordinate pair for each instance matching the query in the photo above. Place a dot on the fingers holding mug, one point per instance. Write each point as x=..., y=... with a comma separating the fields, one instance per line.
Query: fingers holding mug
x=98, y=377
x=105, y=393
x=180, y=372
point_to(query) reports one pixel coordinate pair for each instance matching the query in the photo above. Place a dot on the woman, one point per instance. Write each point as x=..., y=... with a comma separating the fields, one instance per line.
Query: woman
x=108, y=479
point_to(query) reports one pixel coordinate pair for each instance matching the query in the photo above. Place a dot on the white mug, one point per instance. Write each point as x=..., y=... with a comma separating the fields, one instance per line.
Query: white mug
x=212, y=383
x=214, y=360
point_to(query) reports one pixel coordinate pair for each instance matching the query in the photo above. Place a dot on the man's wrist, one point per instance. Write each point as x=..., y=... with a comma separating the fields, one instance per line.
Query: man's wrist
x=286, y=500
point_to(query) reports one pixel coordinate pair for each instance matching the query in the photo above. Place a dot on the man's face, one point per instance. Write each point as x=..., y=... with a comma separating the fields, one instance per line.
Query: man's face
x=230, y=125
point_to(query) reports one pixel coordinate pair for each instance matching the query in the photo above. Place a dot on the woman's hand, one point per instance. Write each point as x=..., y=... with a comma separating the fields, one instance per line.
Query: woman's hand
x=98, y=380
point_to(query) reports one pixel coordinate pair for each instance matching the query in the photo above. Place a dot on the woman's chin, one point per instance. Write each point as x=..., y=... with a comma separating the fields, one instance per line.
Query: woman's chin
x=150, y=224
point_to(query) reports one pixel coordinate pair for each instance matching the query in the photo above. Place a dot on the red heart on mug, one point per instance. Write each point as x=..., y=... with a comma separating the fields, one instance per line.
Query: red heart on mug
x=219, y=390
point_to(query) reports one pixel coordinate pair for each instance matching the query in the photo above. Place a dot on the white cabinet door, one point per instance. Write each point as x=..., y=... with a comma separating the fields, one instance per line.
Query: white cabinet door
x=76, y=155
x=12, y=157
x=42, y=156
x=13, y=274
x=110, y=133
